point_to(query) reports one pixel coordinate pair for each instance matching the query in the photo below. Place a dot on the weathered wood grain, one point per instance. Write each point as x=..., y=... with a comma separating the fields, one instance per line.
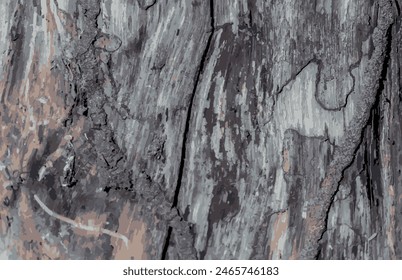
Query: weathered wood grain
x=149, y=129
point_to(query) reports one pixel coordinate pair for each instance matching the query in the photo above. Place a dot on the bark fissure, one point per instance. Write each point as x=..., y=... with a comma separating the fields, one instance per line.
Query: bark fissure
x=294, y=76
x=166, y=243
x=189, y=110
x=382, y=79
x=187, y=127
x=279, y=90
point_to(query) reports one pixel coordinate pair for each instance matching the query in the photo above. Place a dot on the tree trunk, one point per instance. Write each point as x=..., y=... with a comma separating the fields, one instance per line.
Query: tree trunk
x=150, y=129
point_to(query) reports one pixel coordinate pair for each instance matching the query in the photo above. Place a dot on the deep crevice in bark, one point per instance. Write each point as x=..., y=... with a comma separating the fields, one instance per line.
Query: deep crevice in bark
x=166, y=245
x=382, y=80
x=187, y=126
x=189, y=111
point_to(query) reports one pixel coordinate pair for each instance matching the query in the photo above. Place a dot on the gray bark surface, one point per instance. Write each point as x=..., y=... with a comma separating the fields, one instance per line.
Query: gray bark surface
x=150, y=129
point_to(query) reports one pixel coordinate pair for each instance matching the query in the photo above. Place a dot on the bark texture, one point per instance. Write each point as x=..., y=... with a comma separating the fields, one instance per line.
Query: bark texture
x=153, y=129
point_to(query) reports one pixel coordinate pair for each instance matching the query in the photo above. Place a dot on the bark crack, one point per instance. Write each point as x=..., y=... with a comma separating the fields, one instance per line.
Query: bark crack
x=198, y=75
x=280, y=89
x=382, y=79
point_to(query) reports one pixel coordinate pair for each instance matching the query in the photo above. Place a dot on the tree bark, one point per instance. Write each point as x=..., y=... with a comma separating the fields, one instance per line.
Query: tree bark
x=149, y=129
